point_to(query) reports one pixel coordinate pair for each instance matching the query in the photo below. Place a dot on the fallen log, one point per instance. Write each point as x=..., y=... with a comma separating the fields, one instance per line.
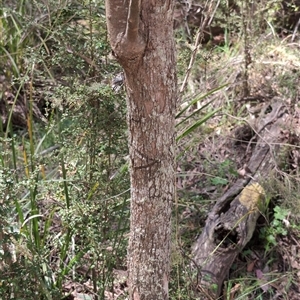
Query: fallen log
x=232, y=221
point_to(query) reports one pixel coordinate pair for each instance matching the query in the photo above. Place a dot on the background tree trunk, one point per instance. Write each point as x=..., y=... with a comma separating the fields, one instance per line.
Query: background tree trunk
x=141, y=36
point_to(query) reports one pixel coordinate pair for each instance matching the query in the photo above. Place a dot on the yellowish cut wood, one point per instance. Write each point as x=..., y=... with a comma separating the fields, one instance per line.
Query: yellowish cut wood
x=252, y=196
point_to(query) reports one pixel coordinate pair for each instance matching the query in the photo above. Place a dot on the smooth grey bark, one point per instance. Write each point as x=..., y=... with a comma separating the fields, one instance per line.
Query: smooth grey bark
x=141, y=36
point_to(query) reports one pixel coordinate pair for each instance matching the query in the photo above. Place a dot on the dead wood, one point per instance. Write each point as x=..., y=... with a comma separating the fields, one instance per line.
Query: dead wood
x=232, y=221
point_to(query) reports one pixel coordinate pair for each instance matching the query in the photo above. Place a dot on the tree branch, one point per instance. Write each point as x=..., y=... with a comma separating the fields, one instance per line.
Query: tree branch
x=116, y=16
x=133, y=19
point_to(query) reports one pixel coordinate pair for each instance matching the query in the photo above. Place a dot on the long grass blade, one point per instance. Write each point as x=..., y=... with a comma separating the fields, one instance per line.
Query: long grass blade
x=201, y=97
x=197, y=124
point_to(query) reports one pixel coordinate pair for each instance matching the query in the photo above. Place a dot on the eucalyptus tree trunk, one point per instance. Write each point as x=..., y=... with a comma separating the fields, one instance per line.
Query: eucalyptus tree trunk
x=141, y=37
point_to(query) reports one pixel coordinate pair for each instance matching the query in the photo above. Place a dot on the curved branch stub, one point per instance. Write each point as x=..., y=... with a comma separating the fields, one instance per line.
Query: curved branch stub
x=125, y=31
x=128, y=52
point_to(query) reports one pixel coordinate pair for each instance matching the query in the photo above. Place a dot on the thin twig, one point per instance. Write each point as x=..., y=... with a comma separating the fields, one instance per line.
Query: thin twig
x=199, y=37
x=295, y=30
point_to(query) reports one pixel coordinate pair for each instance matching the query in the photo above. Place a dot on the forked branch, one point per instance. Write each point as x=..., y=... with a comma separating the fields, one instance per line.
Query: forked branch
x=125, y=34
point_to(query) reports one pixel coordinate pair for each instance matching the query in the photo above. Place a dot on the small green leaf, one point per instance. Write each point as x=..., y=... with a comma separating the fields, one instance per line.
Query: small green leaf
x=271, y=239
x=219, y=181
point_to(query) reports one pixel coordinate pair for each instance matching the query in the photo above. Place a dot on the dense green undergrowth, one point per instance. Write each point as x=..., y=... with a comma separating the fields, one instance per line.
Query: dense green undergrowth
x=64, y=177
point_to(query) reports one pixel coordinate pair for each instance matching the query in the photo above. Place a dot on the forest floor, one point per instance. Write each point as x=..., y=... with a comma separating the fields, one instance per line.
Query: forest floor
x=214, y=158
